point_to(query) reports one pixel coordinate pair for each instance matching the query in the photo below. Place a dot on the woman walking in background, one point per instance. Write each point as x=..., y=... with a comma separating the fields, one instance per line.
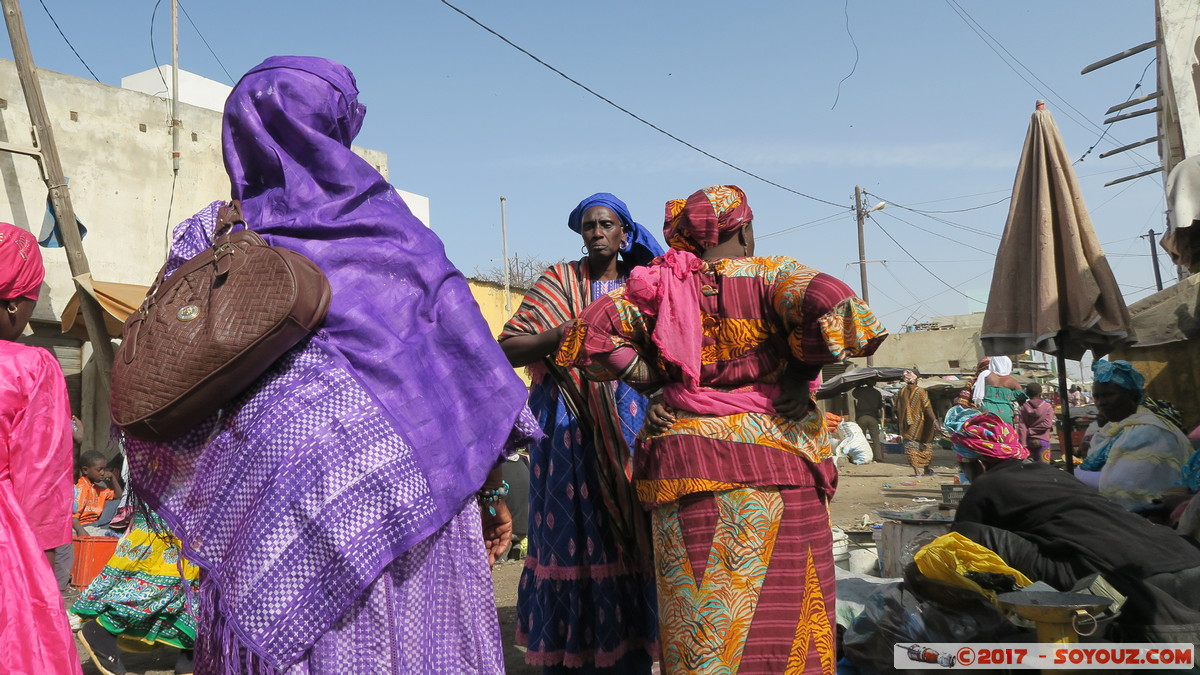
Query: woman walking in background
x=586, y=596
x=735, y=460
x=35, y=476
x=918, y=424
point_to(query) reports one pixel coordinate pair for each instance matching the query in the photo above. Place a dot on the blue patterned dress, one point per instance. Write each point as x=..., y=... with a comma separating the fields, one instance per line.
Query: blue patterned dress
x=581, y=607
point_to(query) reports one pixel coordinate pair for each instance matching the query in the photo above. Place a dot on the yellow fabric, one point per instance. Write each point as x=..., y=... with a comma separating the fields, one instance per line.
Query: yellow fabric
x=951, y=555
x=813, y=625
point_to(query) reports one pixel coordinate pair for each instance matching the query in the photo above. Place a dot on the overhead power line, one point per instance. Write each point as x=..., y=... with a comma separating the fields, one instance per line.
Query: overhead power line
x=153, y=51
x=930, y=215
x=940, y=235
x=921, y=264
x=801, y=226
x=1108, y=126
x=1066, y=106
x=232, y=80
x=64, y=37
x=853, y=67
x=634, y=115
x=970, y=208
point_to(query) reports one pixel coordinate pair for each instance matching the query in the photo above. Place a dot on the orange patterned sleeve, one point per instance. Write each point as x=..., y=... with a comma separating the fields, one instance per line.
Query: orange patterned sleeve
x=609, y=341
x=826, y=322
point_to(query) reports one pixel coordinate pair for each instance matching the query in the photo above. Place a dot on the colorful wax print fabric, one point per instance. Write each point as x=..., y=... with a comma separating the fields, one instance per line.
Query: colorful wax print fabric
x=147, y=591
x=586, y=595
x=763, y=323
x=746, y=583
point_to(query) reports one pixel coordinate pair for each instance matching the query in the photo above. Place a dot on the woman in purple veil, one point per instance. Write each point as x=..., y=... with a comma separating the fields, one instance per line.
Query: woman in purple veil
x=332, y=507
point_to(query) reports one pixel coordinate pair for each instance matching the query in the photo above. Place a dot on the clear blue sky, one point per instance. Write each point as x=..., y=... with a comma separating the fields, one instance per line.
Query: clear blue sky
x=931, y=117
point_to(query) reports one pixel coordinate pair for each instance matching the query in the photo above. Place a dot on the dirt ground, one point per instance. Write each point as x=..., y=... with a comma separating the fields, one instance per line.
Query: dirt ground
x=861, y=490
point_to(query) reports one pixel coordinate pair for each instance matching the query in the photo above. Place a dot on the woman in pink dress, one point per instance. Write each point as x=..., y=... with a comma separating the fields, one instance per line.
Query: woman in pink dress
x=35, y=476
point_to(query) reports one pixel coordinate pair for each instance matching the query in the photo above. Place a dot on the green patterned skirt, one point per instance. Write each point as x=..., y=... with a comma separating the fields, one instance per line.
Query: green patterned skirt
x=147, y=591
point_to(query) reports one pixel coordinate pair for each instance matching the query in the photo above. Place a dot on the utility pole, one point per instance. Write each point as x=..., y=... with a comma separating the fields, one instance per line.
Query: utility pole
x=504, y=244
x=175, y=123
x=60, y=196
x=1154, y=258
x=861, y=215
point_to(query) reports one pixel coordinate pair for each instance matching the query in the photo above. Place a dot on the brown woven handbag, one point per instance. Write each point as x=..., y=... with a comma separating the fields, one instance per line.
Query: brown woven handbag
x=207, y=332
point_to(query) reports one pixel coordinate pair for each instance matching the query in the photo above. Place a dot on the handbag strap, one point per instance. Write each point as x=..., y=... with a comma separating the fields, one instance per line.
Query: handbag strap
x=229, y=215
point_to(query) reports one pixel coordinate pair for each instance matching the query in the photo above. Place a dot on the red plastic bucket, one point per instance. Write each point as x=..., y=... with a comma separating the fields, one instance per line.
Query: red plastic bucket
x=91, y=555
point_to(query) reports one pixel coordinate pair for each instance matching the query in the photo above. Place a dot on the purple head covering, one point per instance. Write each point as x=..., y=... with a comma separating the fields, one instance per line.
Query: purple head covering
x=363, y=441
x=402, y=314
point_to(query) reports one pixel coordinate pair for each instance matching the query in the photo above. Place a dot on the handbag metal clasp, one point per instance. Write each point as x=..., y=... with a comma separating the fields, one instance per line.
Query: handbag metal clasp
x=222, y=257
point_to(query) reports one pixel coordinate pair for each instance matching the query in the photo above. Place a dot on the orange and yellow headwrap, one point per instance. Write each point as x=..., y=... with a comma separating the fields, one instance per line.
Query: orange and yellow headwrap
x=697, y=223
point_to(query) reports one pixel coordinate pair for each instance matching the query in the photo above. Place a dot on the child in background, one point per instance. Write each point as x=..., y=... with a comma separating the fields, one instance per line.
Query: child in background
x=96, y=488
x=1035, y=421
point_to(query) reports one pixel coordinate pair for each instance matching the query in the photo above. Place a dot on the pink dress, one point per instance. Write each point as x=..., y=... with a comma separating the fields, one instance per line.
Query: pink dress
x=35, y=505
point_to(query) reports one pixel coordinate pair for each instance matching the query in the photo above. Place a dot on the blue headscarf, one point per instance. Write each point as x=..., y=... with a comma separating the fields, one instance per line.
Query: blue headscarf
x=640, y=246
x=1122, y=374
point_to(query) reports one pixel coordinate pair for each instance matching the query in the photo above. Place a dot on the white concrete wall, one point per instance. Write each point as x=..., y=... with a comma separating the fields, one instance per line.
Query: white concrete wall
x=193, y=89
x=1179, y=70
x=117, y=154
x=417, y=204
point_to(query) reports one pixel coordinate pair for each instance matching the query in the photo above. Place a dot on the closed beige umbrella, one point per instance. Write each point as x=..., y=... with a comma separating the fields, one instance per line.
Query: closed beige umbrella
x=1052, y=289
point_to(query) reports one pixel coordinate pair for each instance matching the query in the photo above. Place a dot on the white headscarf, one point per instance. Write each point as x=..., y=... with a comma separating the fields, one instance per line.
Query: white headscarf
x=1000, y=365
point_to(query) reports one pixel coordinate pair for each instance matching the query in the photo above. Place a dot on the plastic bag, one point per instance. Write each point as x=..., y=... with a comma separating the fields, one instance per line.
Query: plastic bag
x=949, y=557
x=854, y=443
x=896, y=614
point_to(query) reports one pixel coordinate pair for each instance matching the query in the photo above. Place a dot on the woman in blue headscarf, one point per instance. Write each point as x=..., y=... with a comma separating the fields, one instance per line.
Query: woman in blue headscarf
x=586, y=601
x=1137, y=455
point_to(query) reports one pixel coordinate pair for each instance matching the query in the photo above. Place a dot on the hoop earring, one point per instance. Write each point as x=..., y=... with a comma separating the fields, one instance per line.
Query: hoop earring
x=625, y=245
x=583, y=249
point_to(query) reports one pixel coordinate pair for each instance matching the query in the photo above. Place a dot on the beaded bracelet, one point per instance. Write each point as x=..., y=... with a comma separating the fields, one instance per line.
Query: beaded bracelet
x=490, y=497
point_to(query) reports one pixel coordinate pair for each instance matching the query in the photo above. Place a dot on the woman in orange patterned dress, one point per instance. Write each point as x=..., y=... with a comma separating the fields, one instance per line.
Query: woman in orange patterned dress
x=736, y=464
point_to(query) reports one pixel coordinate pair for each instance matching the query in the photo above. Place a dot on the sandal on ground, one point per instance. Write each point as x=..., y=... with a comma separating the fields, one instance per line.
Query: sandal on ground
x=101, y=645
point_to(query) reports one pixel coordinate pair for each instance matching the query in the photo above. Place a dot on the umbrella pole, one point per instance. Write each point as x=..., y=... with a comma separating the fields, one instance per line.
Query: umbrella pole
x=1066, y=408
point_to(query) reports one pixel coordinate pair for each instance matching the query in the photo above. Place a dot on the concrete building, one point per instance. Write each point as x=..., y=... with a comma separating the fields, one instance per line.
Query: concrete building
x=943, y=345
x=496, y=308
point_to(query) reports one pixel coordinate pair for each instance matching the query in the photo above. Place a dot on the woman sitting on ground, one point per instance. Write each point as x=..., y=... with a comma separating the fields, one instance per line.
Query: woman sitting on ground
x=953, y=422
x=1052, y=528
x=1137, y=456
